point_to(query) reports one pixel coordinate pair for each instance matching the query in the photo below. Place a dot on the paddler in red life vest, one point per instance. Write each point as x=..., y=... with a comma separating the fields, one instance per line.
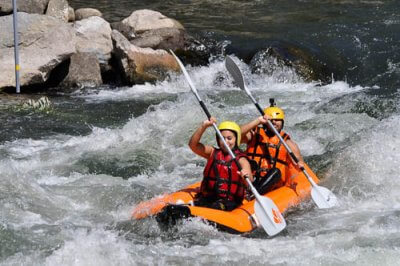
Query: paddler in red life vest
x=269, y=158
x=223, y=186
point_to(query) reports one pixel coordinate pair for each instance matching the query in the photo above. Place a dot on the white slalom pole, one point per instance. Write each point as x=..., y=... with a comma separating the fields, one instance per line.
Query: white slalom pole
x=16, y=52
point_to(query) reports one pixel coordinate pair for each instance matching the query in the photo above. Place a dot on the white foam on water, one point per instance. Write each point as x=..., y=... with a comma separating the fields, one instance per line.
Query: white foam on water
x=203, y=77
x=94, y=247
x=371, y=166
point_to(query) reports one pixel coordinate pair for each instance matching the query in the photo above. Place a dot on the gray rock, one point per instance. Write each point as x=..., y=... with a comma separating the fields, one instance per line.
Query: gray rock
x=6, y=7
x=125, y=29
x=28, y=6
x=164, y=38
x=58, y=9
x=150, y=29
x=84, y=71
x=44, y=43
x=71, y=14
x=141, y=65
x=145, y=19
x=83, y=13
x=94, y=36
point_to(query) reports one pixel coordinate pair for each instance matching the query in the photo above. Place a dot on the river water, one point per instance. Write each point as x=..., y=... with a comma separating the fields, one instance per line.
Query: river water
x=70, y=176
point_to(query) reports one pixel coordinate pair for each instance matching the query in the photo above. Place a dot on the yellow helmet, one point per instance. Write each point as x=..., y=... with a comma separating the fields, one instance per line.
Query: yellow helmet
x=232, y=126
x=275, y=112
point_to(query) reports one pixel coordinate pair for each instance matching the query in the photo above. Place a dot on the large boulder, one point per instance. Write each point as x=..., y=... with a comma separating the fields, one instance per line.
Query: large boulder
x=145, y=19
x=148, y=28
x=141, y=65
x=44, y=42
x=58, y=9
x=28, y=6
x=151, y=29
x=94, y=36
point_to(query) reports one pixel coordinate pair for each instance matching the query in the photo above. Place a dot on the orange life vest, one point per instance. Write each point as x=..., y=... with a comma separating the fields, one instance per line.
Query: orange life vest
x=221, y=179
x=268, y=152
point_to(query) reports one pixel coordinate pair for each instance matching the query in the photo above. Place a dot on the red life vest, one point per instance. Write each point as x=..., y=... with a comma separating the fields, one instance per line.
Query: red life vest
x=268, y=152
x=221, y=178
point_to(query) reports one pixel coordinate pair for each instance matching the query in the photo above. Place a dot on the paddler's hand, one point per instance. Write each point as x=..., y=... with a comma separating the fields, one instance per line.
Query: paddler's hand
x=209, y=122
x=264, y=119
x=245, y=174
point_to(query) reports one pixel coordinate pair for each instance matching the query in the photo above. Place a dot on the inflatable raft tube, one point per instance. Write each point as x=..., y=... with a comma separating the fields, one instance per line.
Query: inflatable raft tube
x=170, y=207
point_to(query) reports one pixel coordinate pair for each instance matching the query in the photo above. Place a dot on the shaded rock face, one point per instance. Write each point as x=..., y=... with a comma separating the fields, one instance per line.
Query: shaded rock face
x=84, y=71
x=141, y=64
x=286, y=57
x=71, y=14
x=44, y=42
x=197, y=51
x=5, y=7
x=28, y=6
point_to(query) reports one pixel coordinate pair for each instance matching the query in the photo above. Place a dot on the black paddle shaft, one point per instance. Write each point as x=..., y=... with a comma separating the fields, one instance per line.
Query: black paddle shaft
x=205, y=109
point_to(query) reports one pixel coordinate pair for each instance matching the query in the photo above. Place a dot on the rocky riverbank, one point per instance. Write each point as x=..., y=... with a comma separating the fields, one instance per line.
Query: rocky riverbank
x=66, y=48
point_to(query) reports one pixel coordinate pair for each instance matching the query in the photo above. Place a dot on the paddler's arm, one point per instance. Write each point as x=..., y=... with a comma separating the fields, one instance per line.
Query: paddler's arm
x=246, y=129
x=293, y=146
x=194, y=143
x=246, y=169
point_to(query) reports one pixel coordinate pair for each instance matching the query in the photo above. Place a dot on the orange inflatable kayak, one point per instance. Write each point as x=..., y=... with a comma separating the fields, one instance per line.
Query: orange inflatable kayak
x=179, y=204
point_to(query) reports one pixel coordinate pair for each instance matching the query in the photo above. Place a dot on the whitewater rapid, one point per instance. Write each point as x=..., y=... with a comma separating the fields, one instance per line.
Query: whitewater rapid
x=67, y=198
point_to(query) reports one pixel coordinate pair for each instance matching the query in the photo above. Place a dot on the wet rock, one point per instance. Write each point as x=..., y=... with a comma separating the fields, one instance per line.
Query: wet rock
x=197, y=51
x=141, y=65
x=44, y=42
x=83, y=13
x=84, y=71
x=285, y=57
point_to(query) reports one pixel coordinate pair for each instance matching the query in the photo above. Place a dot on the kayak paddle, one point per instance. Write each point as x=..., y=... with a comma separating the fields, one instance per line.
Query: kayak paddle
x=322, y=196
x=265, y=209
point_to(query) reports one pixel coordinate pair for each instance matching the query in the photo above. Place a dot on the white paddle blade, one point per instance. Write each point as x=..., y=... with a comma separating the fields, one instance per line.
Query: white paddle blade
x=269, y=216
x=323, y=197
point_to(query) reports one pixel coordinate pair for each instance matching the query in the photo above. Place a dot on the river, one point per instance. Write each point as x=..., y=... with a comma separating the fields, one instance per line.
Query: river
x=70, y=176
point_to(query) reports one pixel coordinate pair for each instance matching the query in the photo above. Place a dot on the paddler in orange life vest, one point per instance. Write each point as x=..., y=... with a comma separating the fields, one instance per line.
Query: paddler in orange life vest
x=269, y=158
x=223, y=186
